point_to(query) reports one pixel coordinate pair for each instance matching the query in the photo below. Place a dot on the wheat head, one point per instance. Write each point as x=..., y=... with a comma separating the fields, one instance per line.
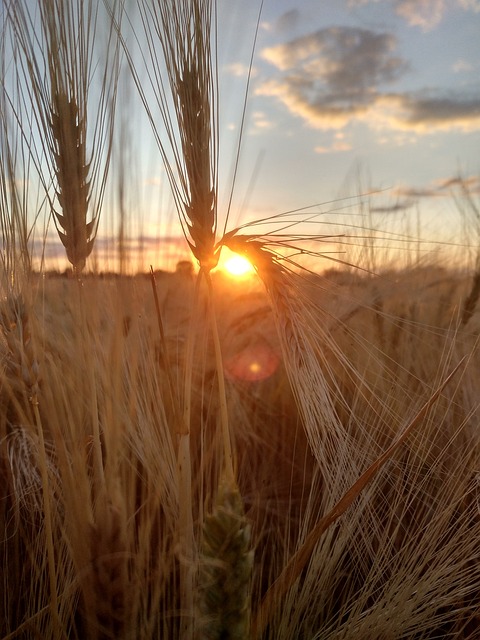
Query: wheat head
x=225, y=569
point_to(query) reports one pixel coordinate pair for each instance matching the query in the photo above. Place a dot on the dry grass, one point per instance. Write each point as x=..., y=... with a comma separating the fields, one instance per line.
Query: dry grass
x=416, y=524
x=293, y=460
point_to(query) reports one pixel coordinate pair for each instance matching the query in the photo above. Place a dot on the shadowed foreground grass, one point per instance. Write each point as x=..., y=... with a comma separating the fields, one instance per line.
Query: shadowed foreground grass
x=292, y=458
x=80, y=360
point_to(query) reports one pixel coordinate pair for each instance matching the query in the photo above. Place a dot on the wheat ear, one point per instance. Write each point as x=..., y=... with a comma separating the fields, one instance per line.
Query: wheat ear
x=225, y=569
x=71, y=170
x=57, y=41
x=184, y=30
x=303, y=343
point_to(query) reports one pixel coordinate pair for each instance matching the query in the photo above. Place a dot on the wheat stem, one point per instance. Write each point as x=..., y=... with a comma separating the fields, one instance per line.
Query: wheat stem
x=52, y=573
x=224, y=422
x=297, y=563
x=187, y=546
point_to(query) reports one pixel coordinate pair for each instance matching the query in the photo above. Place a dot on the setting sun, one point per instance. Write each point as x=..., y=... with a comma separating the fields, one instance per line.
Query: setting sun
x=237, y=266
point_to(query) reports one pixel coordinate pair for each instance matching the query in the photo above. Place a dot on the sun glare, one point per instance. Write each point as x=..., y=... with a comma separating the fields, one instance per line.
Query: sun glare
x=237, y=266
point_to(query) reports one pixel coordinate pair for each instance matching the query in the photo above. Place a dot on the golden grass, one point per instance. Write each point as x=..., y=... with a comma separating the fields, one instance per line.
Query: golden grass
x=417, y=523
x=148, y=489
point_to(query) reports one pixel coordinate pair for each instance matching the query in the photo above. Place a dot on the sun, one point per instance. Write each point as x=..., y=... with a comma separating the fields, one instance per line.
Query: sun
x=237, y=266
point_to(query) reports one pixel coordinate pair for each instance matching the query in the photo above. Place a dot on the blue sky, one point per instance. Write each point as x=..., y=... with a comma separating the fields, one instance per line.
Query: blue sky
x=358, y=95
x=346, y=97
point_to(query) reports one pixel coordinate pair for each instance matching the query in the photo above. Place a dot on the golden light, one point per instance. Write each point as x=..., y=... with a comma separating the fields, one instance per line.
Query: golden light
x=255, y=362
x=237, y=266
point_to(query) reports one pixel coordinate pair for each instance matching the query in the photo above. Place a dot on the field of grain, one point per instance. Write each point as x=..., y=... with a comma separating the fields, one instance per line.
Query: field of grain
x=291, y=455
x=90, y=484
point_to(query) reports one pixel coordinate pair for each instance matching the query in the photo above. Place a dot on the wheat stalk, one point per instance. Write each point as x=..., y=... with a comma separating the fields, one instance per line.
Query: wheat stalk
x=23, y=375
x=107, y=601
x=183, y=30
x=58, y=73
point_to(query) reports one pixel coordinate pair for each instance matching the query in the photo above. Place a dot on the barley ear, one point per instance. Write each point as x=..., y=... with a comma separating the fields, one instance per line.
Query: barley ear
x=225, y=569
x=71, y=169
x=22, y=367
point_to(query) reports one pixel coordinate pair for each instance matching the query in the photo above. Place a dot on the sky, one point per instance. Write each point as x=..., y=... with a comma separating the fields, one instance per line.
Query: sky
x=367, y=109
x=347, y=98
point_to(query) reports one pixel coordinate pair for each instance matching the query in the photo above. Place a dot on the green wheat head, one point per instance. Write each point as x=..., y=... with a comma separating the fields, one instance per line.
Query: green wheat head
x=225, y=569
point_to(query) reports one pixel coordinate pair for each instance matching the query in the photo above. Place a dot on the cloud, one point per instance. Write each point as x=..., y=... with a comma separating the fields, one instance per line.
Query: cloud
x=287, y=21
x=470, y=185
x=426, y=14
x=415, y=193
x=394, y=208
x=461, y=66
x=332, y=76
x=470, y=5
x=440, y=188
x=261, y=122
x=427, y=112
x=336, y=146
x=240, y=70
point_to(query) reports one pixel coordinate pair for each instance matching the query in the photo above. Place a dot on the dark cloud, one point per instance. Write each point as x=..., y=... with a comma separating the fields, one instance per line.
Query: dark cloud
x=398, y=207
x=415, y=193
x=287, y=21
x=423, y=110
x=426, y=14
x=470, y=184
x=334, y=75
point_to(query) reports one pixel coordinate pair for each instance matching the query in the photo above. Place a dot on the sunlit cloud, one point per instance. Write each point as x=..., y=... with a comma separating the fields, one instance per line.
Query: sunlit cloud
x=284, y=23
x=333, y=74
x=439, y=188
x=240, y=70
x=397, y=207
x=337, y=75
x=336, y=147
x=425, y=112
x=425, y=14
x=261, y=122
x=415, y=193
x=471, y=184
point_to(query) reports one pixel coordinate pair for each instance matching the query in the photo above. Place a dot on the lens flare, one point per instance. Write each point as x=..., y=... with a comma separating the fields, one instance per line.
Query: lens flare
x=255, y=362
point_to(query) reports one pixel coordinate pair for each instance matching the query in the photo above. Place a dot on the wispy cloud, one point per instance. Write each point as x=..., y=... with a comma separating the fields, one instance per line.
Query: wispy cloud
x=428, y=112
x=398, y=207
x=425, y=14
x=470, y=184
x=240, y=70
x=339, y=144
x=439, y=188
x=415, y=193
x=462, y=66
x=335, y=75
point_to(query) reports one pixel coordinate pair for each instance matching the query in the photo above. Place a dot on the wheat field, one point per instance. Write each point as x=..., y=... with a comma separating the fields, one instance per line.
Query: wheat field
x=292, y=456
